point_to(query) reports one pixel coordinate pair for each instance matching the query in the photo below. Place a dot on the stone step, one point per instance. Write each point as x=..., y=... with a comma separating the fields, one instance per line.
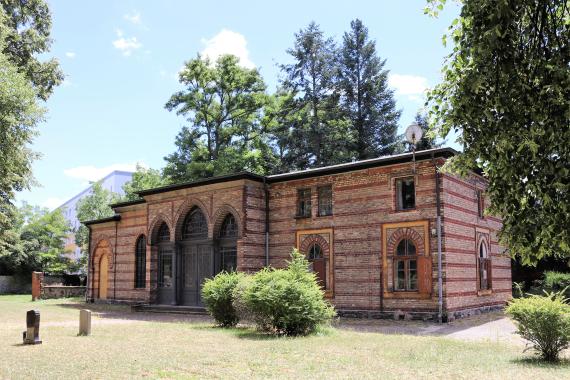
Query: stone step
x=198, y=310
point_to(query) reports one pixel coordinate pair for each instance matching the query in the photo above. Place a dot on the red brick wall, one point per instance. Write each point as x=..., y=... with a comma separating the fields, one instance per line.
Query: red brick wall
x=363, y=203
x=461, y=224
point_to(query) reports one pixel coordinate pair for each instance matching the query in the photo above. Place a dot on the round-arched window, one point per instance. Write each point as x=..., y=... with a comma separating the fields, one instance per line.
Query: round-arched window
x=315, y=252
x=406, y=266
x=195, y=225
x=163, y=233
x=229, y=227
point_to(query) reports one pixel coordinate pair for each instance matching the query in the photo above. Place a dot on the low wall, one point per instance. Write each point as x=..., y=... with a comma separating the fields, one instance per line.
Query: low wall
x=15, y=285
x=53, y=291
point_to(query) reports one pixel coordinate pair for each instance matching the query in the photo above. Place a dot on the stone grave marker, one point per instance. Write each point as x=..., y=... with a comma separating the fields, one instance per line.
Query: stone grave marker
x=32, y=333
x=84, y=322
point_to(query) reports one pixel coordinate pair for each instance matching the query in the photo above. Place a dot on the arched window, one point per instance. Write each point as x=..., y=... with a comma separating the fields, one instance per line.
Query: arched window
x=484, y=265
x=229, y=227
x=228, y=244
x=195, y=225
x=163, y=233
x=318, y=263
x=406, y=266
x=140, y=263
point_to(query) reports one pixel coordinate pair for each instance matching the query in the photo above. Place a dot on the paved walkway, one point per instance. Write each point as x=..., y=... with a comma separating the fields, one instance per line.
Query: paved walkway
x=495, y=327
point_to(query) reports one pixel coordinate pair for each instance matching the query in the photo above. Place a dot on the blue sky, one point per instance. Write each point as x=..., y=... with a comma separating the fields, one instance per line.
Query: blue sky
x=121, y=60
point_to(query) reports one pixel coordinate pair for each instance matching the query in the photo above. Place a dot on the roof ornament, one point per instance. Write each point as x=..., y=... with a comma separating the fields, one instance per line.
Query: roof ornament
x=413, y=136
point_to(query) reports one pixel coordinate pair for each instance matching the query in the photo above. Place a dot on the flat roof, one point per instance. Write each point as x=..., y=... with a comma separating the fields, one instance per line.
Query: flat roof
x=114, y=218
x=308, y=173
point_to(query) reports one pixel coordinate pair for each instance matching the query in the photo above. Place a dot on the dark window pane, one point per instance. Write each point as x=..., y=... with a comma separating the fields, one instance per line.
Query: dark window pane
x=325, y=200
x=400, y=283
x=229, y=259
x=315, y=252
x=165, y=271
x=304, y=203
x=412, y=275
x=140, y=263
x=406, y=196
x=163, y=233
x=195, y=225
x=229, y=227
x=406, y=248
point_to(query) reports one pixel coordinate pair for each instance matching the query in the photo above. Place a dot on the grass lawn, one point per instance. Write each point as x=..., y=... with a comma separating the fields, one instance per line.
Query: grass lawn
x=125, y=345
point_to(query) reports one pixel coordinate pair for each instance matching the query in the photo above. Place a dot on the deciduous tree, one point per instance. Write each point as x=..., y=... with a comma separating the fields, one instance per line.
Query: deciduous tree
x=143, y=179
x=506, y=89
x=222, y=102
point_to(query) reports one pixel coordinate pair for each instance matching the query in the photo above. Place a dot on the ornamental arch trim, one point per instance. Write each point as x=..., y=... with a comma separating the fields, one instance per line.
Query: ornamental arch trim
x=183, y=210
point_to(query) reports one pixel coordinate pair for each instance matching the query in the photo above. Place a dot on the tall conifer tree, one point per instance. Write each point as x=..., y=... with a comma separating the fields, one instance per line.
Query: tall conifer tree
x=366, y=99
x=319, y=133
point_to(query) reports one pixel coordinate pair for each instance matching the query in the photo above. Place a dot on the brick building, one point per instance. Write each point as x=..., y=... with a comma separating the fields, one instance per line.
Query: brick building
x=369, y=229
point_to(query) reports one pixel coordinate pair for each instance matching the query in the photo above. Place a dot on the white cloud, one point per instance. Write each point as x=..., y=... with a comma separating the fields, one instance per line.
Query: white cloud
x=227, y=42
x=126, y=45
x=53, y=202
x=134, y=17
x=70, y=54
x=412, y=86
x=93, y=173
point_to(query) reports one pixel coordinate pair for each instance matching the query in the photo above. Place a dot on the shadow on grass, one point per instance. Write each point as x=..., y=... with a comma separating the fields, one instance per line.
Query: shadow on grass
x=537, y=362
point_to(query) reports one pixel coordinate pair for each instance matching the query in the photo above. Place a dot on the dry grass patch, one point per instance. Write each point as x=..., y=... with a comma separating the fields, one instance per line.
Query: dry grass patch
x=122, y=347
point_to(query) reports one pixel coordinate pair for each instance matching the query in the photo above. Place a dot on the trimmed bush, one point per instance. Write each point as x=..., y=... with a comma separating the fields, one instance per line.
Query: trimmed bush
x=217, y=294
x=544, y=321
x=285, y=301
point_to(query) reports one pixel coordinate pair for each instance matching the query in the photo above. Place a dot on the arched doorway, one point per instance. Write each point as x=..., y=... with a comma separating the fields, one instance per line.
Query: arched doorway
x=318, y=264
x=196, y=257
x=103, y=276
x=165, y=275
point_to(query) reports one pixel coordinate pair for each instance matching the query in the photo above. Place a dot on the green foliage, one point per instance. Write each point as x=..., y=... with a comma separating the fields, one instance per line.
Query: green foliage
x=223, y=104
x=40, y=244
x=143, y=179
x=556, y=282
x=319, y=133
x=285, y=301
x=506, y=88
x=217, y=294
x=544, y=321
x=366, y=99
x=19, y=116
x=27, y=36
x=92, y=207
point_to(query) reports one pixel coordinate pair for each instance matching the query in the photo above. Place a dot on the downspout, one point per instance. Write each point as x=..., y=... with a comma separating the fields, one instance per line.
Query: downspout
x=266, y=189
x=89, y=276
x=115, y=264
x=439, y=258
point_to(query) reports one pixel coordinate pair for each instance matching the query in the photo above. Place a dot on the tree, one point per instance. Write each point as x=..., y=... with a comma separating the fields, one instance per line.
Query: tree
x=19, y=116
x=27, y=35
x=41, y=243
x=366, y=99
x=506, y=88
x=92, y=207
x=143, y=179
x=223, y=103
x=428, y=140
x=24, y=79
x=319, y=134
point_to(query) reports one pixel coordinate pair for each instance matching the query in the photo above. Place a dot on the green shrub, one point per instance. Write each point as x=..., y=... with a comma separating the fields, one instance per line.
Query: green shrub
x=556, y=281
x=285, y=301
x=544, y=321
x=217, y=294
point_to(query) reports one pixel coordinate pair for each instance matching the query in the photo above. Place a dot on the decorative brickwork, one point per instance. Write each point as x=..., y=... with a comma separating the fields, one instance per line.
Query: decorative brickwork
x=358, y=240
